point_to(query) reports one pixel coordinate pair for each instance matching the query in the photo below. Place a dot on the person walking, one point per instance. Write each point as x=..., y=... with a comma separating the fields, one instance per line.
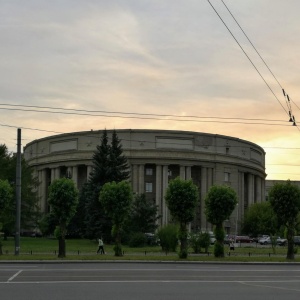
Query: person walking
x=100, y=246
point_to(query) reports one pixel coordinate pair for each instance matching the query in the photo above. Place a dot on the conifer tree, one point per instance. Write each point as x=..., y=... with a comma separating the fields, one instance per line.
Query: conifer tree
x=109, y=164
x=118, y=162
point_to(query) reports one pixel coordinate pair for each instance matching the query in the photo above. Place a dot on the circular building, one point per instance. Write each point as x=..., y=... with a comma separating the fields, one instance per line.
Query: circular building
x=155, y=157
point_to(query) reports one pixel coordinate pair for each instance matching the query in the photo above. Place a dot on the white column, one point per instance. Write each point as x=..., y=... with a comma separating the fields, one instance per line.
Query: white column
x=203, y=192
x=250, y=189
x=141, y=179
x=89, y=170
x=188, y=172
x=258, y=189
x=164, y=189
x=52, y=174
x=57, y=173
x=135, y=177
x=158, y=192
x=75, y=175
x=182, y=172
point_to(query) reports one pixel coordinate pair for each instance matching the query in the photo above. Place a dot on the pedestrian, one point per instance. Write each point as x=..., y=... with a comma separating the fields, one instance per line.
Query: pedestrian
x=100, y=246
x=231, y=245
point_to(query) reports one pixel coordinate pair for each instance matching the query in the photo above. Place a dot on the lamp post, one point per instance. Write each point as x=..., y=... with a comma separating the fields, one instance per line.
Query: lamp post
x=236, y=221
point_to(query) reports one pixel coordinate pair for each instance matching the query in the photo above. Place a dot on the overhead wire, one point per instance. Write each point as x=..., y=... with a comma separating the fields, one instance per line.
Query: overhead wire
x=286, y=96
x=259, y=73
x=149, y=116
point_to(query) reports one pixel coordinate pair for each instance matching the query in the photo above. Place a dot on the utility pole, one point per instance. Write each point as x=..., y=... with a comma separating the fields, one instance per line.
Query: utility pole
x=18, y=194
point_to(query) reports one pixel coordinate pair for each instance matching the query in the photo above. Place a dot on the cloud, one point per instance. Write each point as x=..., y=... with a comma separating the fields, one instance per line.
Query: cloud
x=153, y=57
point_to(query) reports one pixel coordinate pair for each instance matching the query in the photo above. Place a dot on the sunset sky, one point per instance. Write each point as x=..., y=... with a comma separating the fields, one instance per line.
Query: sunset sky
x=155, y=64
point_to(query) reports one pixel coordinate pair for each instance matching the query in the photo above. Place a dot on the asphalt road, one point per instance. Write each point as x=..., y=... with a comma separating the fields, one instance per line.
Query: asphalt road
x=113, y=281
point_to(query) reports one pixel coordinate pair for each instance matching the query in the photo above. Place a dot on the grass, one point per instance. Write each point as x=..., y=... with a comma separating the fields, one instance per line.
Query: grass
x=82, y=249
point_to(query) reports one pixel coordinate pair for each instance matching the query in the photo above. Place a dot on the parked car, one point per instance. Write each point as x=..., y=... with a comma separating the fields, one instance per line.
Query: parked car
x=297, y=240
x=260, y=236
x=265, y=240
x=281, y=242
x=212, y=238
x=268, y=240
x=243, y=239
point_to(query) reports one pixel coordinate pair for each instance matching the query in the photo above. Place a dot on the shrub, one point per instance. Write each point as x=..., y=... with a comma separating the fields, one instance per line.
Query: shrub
x=204, y=240
x=137, y=239
x=195, y=243
x=200, y=240
x=168, y=236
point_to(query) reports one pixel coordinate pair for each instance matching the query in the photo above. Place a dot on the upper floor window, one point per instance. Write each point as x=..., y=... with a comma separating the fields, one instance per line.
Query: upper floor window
x=226, y=176
x=149, y=171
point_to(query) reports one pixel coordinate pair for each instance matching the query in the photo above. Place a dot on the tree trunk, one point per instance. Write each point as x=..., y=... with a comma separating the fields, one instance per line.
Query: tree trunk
x=290, y=238
x=62, y=242
x=219, y=243
x=118, y=246
x=183, y=240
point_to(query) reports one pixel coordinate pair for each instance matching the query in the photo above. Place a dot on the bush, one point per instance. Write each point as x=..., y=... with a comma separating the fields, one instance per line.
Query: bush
x=200, y=240
x=137, y=239
x=204, y=240
x=168, y=236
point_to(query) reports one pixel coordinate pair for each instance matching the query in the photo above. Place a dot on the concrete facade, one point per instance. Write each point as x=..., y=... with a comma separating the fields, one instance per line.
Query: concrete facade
x=155, y=157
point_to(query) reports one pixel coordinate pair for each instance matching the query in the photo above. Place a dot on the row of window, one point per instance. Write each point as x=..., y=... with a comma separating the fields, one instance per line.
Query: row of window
x=149, y=185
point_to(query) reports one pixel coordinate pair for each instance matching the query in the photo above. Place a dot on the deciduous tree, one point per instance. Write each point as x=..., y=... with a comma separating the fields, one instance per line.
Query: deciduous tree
x=260, y=218
x=285, y=200
x=220, y=202
x=116, y=199
x=63, y=200
x=6, y=196
x=182, y=198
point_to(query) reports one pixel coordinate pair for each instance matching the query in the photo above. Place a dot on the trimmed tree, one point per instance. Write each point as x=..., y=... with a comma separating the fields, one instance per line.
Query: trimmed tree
x=63, y=199
x=285, y=200
x=6, y=196
x=182, y=198
x=220, y=202
x=116, y=199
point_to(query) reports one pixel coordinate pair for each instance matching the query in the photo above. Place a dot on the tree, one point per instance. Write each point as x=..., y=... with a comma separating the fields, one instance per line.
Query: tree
x=118, y=166
x=108, y=165
x=285, y=200
x=260, y=218
x=63, y=199
x=220, y=202
x=29, y=183
x=116, y=199
x=6, y=196
x=143, y=215
x=182, y=198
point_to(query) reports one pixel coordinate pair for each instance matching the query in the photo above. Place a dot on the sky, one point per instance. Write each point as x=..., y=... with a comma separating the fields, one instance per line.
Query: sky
x=77, y=65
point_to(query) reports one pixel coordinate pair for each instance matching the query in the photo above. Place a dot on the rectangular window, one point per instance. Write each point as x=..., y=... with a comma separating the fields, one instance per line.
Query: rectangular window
x=149, y=171
x=226, y=176
x=148, y=187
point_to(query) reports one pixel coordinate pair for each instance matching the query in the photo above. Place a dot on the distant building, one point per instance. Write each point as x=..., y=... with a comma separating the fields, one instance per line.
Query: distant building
x=155, y=157
x=271, y=183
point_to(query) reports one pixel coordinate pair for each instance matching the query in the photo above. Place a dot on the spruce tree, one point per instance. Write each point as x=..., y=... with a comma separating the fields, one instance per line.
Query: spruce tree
x=119, y=169
x=109, y=164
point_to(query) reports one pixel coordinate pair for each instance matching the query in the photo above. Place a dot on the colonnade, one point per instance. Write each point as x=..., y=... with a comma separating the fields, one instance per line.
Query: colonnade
x=250, y=187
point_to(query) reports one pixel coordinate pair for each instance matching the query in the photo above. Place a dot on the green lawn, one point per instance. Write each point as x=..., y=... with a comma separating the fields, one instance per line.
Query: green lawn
x=82, y=249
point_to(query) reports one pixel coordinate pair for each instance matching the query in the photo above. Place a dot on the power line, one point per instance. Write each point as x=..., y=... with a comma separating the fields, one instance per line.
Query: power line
x=247, y=56
x=131, y=113
x=286, y=96
x=140, y=117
